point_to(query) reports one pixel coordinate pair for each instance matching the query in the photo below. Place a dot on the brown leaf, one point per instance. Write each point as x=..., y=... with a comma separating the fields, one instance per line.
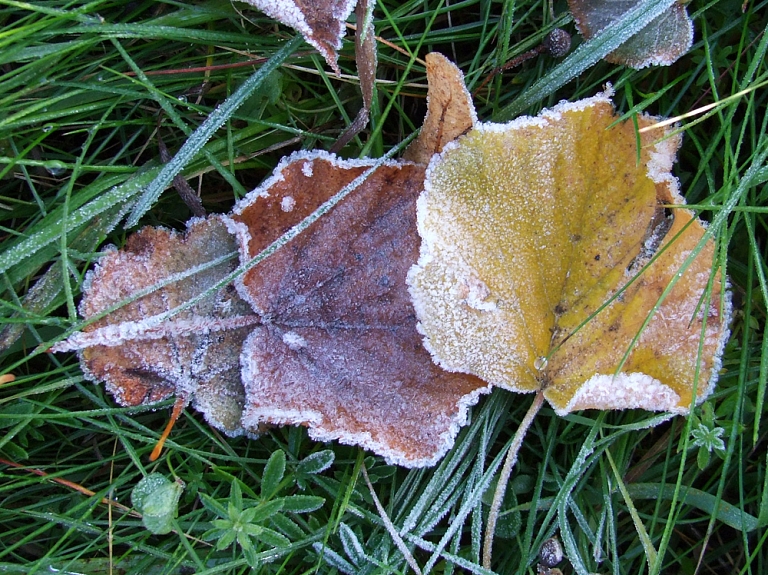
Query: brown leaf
x=545, y=251
x=450, y=111
x=195, y=355
x=338, y=350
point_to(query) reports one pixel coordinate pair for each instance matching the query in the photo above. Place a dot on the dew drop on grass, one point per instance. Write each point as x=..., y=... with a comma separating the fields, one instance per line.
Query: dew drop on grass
x=55, y=168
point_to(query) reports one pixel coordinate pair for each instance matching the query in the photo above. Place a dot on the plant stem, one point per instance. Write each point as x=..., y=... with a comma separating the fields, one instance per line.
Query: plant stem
x=506, y=471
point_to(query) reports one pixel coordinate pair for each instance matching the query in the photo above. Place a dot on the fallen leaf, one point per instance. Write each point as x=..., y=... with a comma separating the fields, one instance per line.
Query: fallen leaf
x=333, y=342
x=546, y=245
x=194, y=355
x=660, y=43
x=321, y=22
x=450, y=111
x=338, y=349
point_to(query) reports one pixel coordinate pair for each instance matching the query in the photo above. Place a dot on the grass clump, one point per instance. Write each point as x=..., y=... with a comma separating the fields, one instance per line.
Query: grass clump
x=87, y=88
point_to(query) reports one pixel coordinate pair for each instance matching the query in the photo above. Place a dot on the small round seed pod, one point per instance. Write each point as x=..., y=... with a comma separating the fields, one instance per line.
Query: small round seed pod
x=557, y=43
x=551, y=552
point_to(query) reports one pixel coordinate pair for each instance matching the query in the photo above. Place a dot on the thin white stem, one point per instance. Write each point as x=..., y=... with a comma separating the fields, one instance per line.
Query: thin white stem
x=391, y=526
x=506, y=471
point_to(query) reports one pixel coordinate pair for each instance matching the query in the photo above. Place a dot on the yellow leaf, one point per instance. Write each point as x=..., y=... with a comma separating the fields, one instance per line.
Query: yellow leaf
x=546, y=246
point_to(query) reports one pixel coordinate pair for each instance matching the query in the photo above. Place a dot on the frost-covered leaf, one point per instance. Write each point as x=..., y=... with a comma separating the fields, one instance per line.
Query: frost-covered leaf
x=660, y=43
x=352, y=546
x=321, y=22
x=302, y=503
x=316, y=462
x=195, y=354
x=546, y=246
x=450, y=111
x=157, y=499
x=338, y=350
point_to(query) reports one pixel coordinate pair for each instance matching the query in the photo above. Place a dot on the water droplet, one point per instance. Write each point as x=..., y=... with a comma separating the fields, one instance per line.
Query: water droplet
x=540, y=363
x=47, y=128
x=55, y=167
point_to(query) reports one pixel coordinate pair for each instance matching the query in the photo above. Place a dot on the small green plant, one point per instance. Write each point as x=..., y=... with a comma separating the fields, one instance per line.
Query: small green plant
x=243, y=520
x=707, y=436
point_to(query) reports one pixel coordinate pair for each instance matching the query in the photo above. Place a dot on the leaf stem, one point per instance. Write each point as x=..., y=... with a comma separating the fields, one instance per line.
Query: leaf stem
x=506, y=471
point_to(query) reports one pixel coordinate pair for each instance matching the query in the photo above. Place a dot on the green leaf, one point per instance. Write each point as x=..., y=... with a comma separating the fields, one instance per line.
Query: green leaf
x=301, y=503
x=235, y=497
x=352, y=545
x=273, y=474
x=157, y=499
x=212, y=505
x=267, y=510
x=227, y=538
x=272, y=538
x=289, y=527
x=703, y=457
x=317, y=462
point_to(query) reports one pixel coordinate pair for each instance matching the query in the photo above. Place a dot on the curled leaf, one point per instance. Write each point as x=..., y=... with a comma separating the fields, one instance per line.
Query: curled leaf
x=450, y=111
x=338, y=349
x=546, y=248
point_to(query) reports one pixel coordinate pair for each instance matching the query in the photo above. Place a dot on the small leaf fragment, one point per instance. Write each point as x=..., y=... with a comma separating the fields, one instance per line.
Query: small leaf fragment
x=450, y=111
x=317, y=462
x=661, y=43
x=537, y=266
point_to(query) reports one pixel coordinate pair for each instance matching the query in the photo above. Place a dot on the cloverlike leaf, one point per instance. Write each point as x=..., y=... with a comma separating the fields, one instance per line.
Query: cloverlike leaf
x=157, y=499
x=549, y=262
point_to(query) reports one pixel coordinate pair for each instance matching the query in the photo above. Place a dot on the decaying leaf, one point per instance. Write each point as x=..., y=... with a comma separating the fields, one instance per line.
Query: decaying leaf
x=338, y=350
x=545, y=248
x=195, y=355
x=660, y=43
x=321, y=22
x=450, y=111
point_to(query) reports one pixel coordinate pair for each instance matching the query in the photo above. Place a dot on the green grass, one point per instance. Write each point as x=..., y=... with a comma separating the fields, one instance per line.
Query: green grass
x=81, y=88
